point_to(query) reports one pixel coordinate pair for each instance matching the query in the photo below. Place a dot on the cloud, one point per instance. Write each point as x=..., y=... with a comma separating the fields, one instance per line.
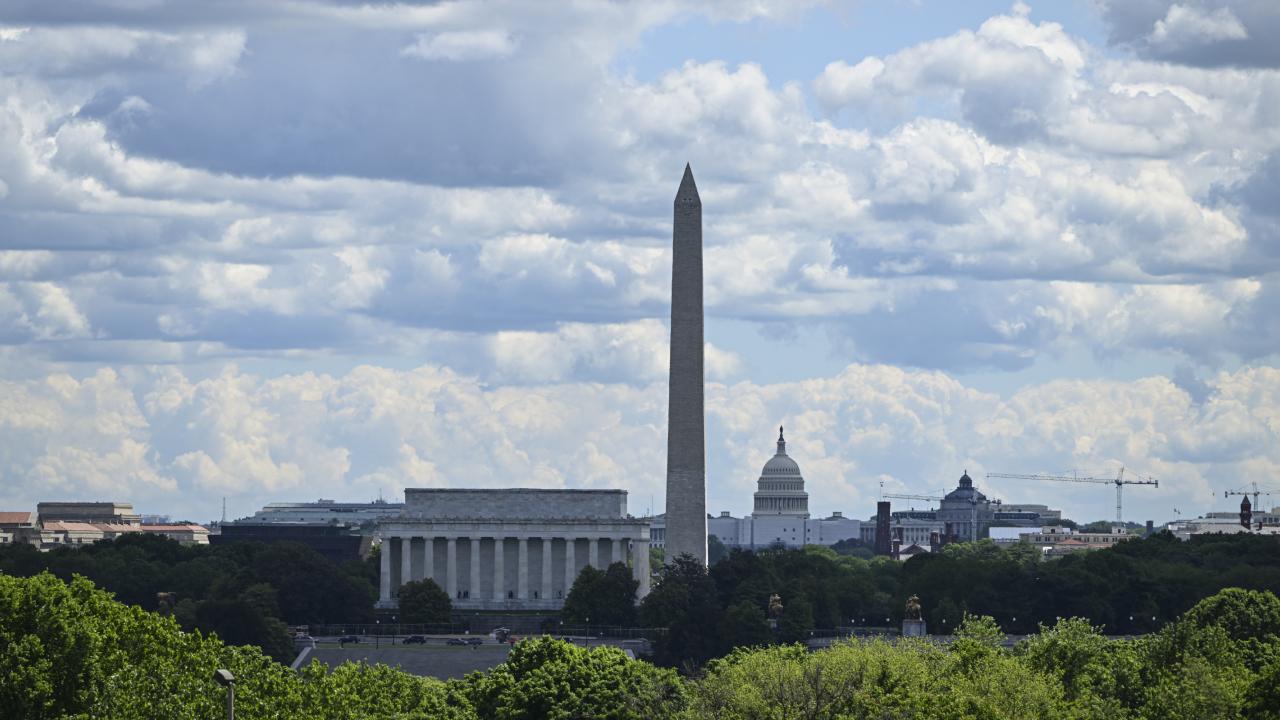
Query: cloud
x=1207, y=33
x=176, y=444
x=462, y=46
x=220, y=184
x=1184, y=26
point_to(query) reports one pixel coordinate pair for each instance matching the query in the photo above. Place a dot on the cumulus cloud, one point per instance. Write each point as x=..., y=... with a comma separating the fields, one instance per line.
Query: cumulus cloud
x=408, y=184
x=1208, y=33
x=1185, y=25
x=142, y=436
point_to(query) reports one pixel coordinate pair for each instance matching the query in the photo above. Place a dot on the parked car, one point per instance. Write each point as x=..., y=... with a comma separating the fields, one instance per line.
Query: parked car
x=348, y=639
x=415, y=640
x=474, y=641
x=455, y=641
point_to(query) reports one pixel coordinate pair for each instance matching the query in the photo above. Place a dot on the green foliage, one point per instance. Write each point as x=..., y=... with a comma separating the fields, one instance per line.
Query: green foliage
x=1250, y=618
x=602, y=598
x=716, y=551
x=545, y=678
x=1262, y=701
x=68, y=650
x=246, y=592
x=744, y=625
x=1097, y=526
x=1132, y=588
x=423, y=602
x=977, y=638
x=683, y=601
x=797, y=619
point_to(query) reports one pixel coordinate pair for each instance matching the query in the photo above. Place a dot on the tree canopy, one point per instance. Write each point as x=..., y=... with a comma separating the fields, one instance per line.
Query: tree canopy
x=602, y=597
x=69, y=650
x=246, y=592
x=423, y=602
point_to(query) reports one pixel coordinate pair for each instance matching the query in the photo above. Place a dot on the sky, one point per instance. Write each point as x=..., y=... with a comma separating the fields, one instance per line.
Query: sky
x=320, y=248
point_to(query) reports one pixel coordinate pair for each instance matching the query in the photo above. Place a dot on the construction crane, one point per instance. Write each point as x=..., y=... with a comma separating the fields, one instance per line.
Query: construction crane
x=1119, y=481
x=894, y=496
x=1255, y=492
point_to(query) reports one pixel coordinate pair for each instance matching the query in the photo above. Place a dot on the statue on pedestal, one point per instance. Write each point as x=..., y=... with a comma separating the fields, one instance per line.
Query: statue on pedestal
x=912, y=622
x=775, y=610
x=912, y=611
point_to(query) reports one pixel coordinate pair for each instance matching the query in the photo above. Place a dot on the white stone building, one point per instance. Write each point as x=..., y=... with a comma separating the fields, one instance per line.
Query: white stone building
x=328, y=511
x=514, y=549
x=780, y=514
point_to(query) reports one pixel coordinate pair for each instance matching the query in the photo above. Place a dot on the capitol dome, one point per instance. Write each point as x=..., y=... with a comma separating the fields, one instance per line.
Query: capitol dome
x=780, y=490
x=780, y=464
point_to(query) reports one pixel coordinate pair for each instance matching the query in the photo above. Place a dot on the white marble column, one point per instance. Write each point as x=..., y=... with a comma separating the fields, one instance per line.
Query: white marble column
x=384, y=577
x=616, y=551
x=593, y=555
x=499, y=572
x=570, y=574
x=475, y=569
x=546, y=569
x=451, y=570
x=642, y=567
x=406, y=559
x=522, y=570
x=429, y=558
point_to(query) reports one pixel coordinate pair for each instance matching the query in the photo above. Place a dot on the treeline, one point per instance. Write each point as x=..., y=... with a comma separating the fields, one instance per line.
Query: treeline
x=69, y=650
x=245, y=592
x=1134, y=588
x=248, y=592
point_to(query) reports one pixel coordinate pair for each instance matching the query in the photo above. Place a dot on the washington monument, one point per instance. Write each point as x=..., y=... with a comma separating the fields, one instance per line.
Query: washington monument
x=686, y=442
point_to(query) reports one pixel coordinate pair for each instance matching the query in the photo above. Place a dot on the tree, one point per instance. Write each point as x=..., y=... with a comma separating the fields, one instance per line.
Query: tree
x=683, y=601
x=716, y=551
x=744, y=625
x=1097, y=526
x=855, y=548
x=239, y=622
x=545, y=678
x=1250, y=618
x=602, y=598
x=797, y=619
x=423, y=602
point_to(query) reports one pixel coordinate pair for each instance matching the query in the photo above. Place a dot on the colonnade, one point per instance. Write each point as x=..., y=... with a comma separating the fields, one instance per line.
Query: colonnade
x=482, y=571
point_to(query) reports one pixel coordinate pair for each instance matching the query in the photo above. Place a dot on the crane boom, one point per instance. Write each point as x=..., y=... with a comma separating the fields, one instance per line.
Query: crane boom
x=913, y=497
x=1119, y=481
x=1255, y=492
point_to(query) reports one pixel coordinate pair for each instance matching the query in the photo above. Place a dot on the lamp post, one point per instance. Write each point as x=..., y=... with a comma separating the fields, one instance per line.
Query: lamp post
x=227, y=680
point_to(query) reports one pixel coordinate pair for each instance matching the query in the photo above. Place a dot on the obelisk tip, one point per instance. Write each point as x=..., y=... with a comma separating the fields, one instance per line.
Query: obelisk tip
x=688, y=192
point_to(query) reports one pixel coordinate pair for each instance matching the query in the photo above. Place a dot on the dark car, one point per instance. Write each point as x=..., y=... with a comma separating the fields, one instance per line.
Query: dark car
x=415, y=640
x=474, y=641
x=348, y=639
x=455, y=641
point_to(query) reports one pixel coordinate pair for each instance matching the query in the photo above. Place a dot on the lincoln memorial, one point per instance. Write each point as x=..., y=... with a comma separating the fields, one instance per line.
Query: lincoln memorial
x=517, y=549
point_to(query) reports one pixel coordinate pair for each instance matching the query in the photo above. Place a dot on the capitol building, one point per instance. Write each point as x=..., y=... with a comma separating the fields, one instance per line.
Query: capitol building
x=779, y=516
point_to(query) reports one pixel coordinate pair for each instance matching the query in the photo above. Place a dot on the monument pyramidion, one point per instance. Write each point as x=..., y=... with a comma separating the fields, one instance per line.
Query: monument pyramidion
x=686, y=441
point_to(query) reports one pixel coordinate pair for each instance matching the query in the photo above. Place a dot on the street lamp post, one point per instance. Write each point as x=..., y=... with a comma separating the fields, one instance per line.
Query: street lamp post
x=227, y=680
